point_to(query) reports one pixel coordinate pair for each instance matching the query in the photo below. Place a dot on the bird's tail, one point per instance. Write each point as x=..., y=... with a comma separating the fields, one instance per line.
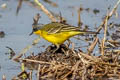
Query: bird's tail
x=88, y=32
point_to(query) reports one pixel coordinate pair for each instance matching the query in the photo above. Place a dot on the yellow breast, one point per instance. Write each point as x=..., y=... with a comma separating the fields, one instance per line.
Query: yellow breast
x=56, y=38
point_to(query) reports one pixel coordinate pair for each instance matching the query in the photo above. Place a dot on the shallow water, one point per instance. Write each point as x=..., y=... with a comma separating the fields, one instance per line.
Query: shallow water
x=18, y=28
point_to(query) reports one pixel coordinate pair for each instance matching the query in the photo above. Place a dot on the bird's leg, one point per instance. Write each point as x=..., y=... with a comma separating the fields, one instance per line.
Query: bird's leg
x=57, y=47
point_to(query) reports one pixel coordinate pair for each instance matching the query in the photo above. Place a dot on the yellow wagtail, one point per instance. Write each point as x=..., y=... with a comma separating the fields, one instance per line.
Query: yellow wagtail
x=58, y=33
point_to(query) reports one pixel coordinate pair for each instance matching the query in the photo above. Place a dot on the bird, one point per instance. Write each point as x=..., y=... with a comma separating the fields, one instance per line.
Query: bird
x=57, y=33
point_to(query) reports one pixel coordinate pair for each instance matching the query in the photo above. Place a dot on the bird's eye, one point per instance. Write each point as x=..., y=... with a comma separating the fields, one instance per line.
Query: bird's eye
x=35, y=29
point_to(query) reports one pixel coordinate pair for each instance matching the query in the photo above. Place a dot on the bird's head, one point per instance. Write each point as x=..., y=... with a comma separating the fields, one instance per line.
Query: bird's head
x=36, y=29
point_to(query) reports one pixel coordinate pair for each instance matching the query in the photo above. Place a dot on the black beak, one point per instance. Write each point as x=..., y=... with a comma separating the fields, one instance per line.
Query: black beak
x=31, y=33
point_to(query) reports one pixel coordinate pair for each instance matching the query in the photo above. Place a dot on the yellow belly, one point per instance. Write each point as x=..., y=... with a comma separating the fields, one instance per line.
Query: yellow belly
x=57, y=38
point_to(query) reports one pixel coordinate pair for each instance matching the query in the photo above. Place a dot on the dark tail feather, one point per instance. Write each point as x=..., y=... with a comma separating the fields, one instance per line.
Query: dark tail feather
x=89, y=32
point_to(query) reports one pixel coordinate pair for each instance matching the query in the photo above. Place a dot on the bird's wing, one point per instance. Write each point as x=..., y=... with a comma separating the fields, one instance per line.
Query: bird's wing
x=62, y=28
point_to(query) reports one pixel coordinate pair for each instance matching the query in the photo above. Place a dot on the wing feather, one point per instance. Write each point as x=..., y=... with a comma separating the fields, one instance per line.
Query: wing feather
x=62, y=28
